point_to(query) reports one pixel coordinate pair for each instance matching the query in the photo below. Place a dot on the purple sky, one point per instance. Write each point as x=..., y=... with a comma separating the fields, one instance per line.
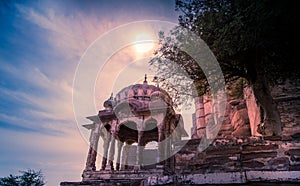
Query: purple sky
x=41, y=43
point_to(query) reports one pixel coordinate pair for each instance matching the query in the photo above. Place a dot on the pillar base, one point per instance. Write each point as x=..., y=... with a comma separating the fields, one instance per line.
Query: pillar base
x=104, y=161
x=137, y=167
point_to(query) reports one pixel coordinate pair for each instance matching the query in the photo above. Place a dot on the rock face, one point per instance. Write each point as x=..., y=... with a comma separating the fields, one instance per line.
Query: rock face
x=236, y=120
x=253, y=110
x=243, y=114
x=240, y=123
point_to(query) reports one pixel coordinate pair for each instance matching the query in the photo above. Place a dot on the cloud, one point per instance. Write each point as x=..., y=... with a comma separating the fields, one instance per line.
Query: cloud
x=69, y=34
x=43, y=45
x=51, y=103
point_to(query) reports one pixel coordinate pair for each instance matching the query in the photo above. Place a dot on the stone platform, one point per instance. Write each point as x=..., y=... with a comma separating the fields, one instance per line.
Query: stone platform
x=232, y=161
x=149, y=178
x=120, y=175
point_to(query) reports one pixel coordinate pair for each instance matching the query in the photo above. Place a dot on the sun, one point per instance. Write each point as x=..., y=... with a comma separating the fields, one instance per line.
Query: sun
x=143, y=43
x=143, y=47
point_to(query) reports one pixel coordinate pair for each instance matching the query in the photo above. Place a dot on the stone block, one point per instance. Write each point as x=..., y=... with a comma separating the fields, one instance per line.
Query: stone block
x=254, y=155
x=278, y=160
x=286, y=137
x=201, y=155
x=223, y=151
x=295, y=159
x=296, y=136
x=253, y=164
x=195, y=163
x=186, y=157
x=295, y=168
x=233, y=166
x=272, y=138
x=273, y=176
x=214, y=178
x=239, y=118
x=226, y=127
x=293, y=152
x=217, y=160
x=260, y=147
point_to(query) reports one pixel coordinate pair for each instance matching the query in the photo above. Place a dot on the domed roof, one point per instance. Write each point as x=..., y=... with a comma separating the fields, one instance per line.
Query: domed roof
x=143, y=92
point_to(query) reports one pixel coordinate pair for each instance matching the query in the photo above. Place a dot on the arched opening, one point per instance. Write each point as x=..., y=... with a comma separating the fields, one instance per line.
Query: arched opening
x=150, y=131
x=128, y=132
x=150, y=155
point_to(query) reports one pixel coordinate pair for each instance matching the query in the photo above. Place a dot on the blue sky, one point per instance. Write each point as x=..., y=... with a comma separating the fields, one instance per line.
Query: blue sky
x=41, y=43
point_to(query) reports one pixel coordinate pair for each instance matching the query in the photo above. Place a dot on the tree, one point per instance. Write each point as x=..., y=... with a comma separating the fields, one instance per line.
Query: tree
x=27, y=178
x=9, y=181
x=252, y=39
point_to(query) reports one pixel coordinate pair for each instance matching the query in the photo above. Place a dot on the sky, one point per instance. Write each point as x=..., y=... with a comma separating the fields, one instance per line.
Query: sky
x=41, y=46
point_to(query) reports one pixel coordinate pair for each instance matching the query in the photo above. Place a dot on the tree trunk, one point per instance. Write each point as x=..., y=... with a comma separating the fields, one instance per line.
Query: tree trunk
x=272, y=124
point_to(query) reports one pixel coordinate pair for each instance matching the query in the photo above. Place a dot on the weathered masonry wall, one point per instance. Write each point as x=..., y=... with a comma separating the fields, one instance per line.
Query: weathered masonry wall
x=232, y=154
x=239, y=154
x=239, y=160
x=287, y=97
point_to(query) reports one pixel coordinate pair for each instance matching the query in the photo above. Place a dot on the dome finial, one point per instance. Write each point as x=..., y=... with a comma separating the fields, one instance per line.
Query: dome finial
x=145, y=81
x=110, y=103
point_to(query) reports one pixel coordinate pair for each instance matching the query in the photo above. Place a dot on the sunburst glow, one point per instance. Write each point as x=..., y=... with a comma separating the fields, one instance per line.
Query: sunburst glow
x=144, y=43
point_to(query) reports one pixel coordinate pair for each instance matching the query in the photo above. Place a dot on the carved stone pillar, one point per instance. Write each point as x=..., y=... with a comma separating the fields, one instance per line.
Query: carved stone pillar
x=112, y=153
x=200, y=117
x=92, y=154
x=120, y=145
x=140, y=149
x=126, y=154
x=161, y=143
x=168, y=168
x=107, y=138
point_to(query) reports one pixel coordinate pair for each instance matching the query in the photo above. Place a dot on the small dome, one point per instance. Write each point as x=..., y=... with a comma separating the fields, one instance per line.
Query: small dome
x=110, y=103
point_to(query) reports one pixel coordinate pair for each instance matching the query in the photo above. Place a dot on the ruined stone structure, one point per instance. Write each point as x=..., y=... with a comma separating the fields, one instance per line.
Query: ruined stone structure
x=238, y=155
x=139, y=114
x=241, y=108
x=243, y=115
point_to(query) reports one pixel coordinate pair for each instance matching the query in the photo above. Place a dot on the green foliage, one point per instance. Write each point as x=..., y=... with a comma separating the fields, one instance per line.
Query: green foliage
x=250, y=39
x=27, y=178
x=9, y=181
x=247, y=35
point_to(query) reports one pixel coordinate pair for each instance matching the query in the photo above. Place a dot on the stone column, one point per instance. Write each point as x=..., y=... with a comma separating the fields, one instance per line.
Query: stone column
x=120, y=145
x=218, y=103
x=140, y=149
x=167, y=146
x=200, y=117
x=107, y=138
x=112, y=153
x=126, y=154
x=92, y=154
x=161, y=142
